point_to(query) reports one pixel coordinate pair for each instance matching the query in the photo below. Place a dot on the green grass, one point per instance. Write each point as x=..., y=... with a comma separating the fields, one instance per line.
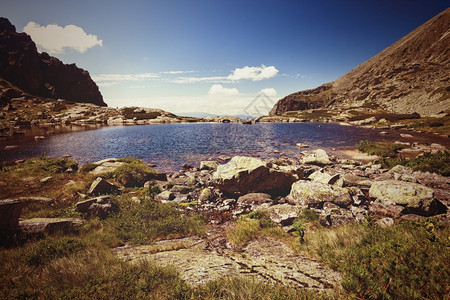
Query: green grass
x=133, y=173
x=405, y=261
x=40, y=165
x=129, y=113
x=252, y=226
x=148, y=221
x=438, y=162
x=388, y=149
x=52, y=248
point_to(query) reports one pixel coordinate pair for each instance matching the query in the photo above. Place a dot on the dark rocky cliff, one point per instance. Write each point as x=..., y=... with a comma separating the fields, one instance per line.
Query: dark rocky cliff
x=412, y=75
x=40, y=74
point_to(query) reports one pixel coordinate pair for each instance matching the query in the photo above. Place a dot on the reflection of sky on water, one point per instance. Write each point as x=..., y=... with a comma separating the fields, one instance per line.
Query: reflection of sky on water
x=172, y=145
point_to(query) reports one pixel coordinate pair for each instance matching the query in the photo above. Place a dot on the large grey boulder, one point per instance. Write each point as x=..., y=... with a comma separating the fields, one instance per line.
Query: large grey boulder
x=243, y=175
x=253, y=201
x=39, y=226
x=10, y=211
x=284, y=214
x=315, y=157
x=416, y=198
x=313, y=194
x=209, y=165
x=106, y=166
x=102, y=187
x=333, y=215
x=99, y=207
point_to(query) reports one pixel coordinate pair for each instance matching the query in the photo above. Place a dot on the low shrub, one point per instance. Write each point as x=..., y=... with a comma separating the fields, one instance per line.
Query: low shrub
x=406, y=261
x=42, y=165
x=149, y=220
x=52, y=248
x=133, y=173
x=388, y=149
x=254, y=225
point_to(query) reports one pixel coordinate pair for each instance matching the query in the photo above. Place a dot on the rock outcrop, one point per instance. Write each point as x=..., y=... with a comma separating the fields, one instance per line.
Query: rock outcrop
x=40, y=74
x=412, y=75
x=243, y=175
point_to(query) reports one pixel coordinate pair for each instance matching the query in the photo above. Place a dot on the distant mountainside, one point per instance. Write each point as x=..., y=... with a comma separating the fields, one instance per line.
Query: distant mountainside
x=412, y=75
x=40, y=74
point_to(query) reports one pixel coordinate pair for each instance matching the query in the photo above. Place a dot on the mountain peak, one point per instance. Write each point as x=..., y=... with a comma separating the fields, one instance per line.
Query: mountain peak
x=412, y=75
x=40, y=74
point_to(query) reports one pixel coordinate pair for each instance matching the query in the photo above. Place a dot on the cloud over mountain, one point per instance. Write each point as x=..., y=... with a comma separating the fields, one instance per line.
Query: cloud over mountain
x=54, y=38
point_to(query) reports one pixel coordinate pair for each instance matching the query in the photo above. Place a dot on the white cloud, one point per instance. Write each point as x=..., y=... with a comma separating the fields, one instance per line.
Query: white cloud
x=269, y=92
x=54, y=39
x=249, y=73
x=114, y=79
x=253, y=73
x=216, y=79
x=176, y=72
x=218, y=89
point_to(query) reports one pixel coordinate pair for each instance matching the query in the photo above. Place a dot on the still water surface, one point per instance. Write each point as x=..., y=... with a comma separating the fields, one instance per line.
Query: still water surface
x=170, y=146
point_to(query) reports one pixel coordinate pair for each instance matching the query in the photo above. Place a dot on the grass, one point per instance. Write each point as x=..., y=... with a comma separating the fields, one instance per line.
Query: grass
x=386, y=149
x=406, y=261
x=254, y=225
x=438, y=162
x=133, y=173
x=148, y=221
x=129, y=113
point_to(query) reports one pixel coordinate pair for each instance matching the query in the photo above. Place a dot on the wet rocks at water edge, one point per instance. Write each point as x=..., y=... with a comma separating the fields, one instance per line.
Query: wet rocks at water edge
x=340, y=191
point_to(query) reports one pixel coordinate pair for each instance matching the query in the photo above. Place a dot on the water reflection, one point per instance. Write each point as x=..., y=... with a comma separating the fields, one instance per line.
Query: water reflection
x=172, y=145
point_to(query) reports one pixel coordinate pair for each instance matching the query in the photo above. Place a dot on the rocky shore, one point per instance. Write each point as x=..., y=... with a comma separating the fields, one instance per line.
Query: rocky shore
x=339, y=191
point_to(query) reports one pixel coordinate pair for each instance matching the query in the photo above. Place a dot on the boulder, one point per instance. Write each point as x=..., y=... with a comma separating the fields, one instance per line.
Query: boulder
x=358, y=181
x=208, y=165
x=243, y=175
x=253, y=200
x=333, y=215
x=399, y=172
x=315, y=157
x=101, y=187
x=205, y=195
x=99, y=207
x=106, y=166
x=10, y=211
x=39, y=226
x=416, y=198
x=379, y=210
x=313, y=194
x=326, y=178
x=283, y=214
x=165, y=196
x=385, y=222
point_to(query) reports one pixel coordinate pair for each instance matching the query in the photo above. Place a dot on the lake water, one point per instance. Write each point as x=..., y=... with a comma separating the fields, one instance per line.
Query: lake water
x=170, y=146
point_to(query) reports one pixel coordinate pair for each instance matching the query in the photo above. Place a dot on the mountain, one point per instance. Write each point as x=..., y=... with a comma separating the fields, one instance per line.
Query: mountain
x=40, y=74
x=412, y=75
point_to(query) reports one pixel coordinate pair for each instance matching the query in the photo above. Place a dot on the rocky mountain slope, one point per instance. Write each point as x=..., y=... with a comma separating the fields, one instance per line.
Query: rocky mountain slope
x=40, y=74
x=412, y=75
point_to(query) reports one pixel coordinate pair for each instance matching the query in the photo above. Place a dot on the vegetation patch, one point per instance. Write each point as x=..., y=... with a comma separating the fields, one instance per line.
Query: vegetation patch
x=385, y=149
x=254, y=225
x=133, y=173
x=129, y=113
x=142, y=223
x=406, y=261
x=51, y=248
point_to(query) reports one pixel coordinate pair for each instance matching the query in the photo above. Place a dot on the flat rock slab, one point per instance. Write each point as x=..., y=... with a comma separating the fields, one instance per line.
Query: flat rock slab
x=266, y=259
x=49, y=225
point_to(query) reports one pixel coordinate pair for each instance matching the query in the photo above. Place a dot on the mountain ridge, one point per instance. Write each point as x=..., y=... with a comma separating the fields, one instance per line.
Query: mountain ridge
x=40, y=74
x=411, y=75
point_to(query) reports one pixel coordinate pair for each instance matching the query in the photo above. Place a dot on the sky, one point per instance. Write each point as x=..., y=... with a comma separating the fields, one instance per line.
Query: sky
x=220, y=57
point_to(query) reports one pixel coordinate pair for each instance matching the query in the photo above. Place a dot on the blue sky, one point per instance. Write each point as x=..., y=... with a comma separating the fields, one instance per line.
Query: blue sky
x=214, y=56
